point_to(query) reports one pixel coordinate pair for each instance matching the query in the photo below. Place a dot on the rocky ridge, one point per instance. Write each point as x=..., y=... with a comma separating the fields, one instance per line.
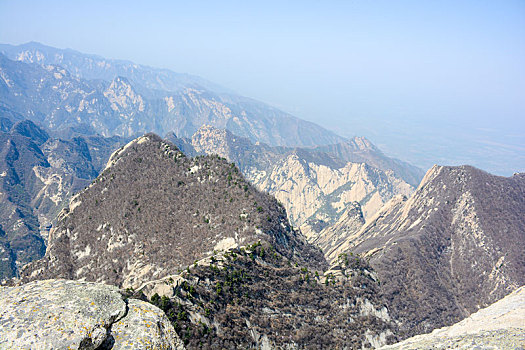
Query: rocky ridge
x=451, y=248
x=125, y=99
x=216, y=255
x=315, y=187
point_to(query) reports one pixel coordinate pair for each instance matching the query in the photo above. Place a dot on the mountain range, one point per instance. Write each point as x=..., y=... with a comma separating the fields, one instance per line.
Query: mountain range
x=315, y=185
x=57, y=102
x=240, y=226
x=61, y=88
x=197, y=240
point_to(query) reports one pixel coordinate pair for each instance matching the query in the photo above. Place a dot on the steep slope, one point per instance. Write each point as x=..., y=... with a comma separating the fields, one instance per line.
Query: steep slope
x=331, y=237
x=127, y=99
x=316, y=192
x=143, y=206
x=38, y=175
x=454, y=246
x=499, y=326
x=314, y=187
x=20, y=242
x=254, y=298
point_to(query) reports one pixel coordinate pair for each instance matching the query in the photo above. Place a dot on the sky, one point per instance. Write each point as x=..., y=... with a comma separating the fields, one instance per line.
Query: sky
x=428, y=81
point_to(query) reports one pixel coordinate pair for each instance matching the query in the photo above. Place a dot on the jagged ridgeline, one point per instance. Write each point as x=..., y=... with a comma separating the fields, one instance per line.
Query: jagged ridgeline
x=153, y=211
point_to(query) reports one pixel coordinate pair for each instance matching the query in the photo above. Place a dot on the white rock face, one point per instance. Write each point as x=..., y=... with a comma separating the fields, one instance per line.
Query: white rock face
x=499, y=326
x=312, y=192
x=63, y=314
x=311, y=188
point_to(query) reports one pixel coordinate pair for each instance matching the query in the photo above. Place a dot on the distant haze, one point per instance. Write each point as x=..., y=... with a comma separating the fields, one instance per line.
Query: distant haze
x=429, y=82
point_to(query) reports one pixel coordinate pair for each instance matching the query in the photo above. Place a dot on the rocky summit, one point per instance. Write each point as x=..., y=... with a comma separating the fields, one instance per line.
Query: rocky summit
x=61, y=314
x=454, y=246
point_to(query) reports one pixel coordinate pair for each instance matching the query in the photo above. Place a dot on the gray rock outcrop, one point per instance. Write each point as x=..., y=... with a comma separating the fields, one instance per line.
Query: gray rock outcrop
x=63, y=314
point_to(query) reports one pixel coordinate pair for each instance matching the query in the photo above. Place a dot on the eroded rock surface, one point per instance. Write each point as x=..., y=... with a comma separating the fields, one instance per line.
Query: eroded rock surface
x=144, y=327
x=63, y=314
x=315, y=185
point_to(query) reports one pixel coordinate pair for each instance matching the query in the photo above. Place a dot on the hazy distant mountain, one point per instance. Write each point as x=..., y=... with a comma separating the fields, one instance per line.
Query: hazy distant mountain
x=452, y=247
x=93, y=67
x=218, y=256
x=62, y=88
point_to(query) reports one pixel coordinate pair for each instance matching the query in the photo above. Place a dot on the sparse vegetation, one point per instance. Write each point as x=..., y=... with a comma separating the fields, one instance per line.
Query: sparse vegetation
x=241, y=284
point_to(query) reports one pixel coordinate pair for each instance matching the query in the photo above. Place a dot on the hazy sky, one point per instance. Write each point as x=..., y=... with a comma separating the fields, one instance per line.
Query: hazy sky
x=423, y=79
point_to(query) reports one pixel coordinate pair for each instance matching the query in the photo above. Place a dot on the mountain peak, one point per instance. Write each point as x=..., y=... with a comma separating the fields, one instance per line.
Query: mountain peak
x=461, y=232
x=162, y=211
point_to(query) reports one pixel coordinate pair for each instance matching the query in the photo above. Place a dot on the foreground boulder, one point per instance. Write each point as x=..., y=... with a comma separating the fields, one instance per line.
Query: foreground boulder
x=62, y=314
x=499, y=326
